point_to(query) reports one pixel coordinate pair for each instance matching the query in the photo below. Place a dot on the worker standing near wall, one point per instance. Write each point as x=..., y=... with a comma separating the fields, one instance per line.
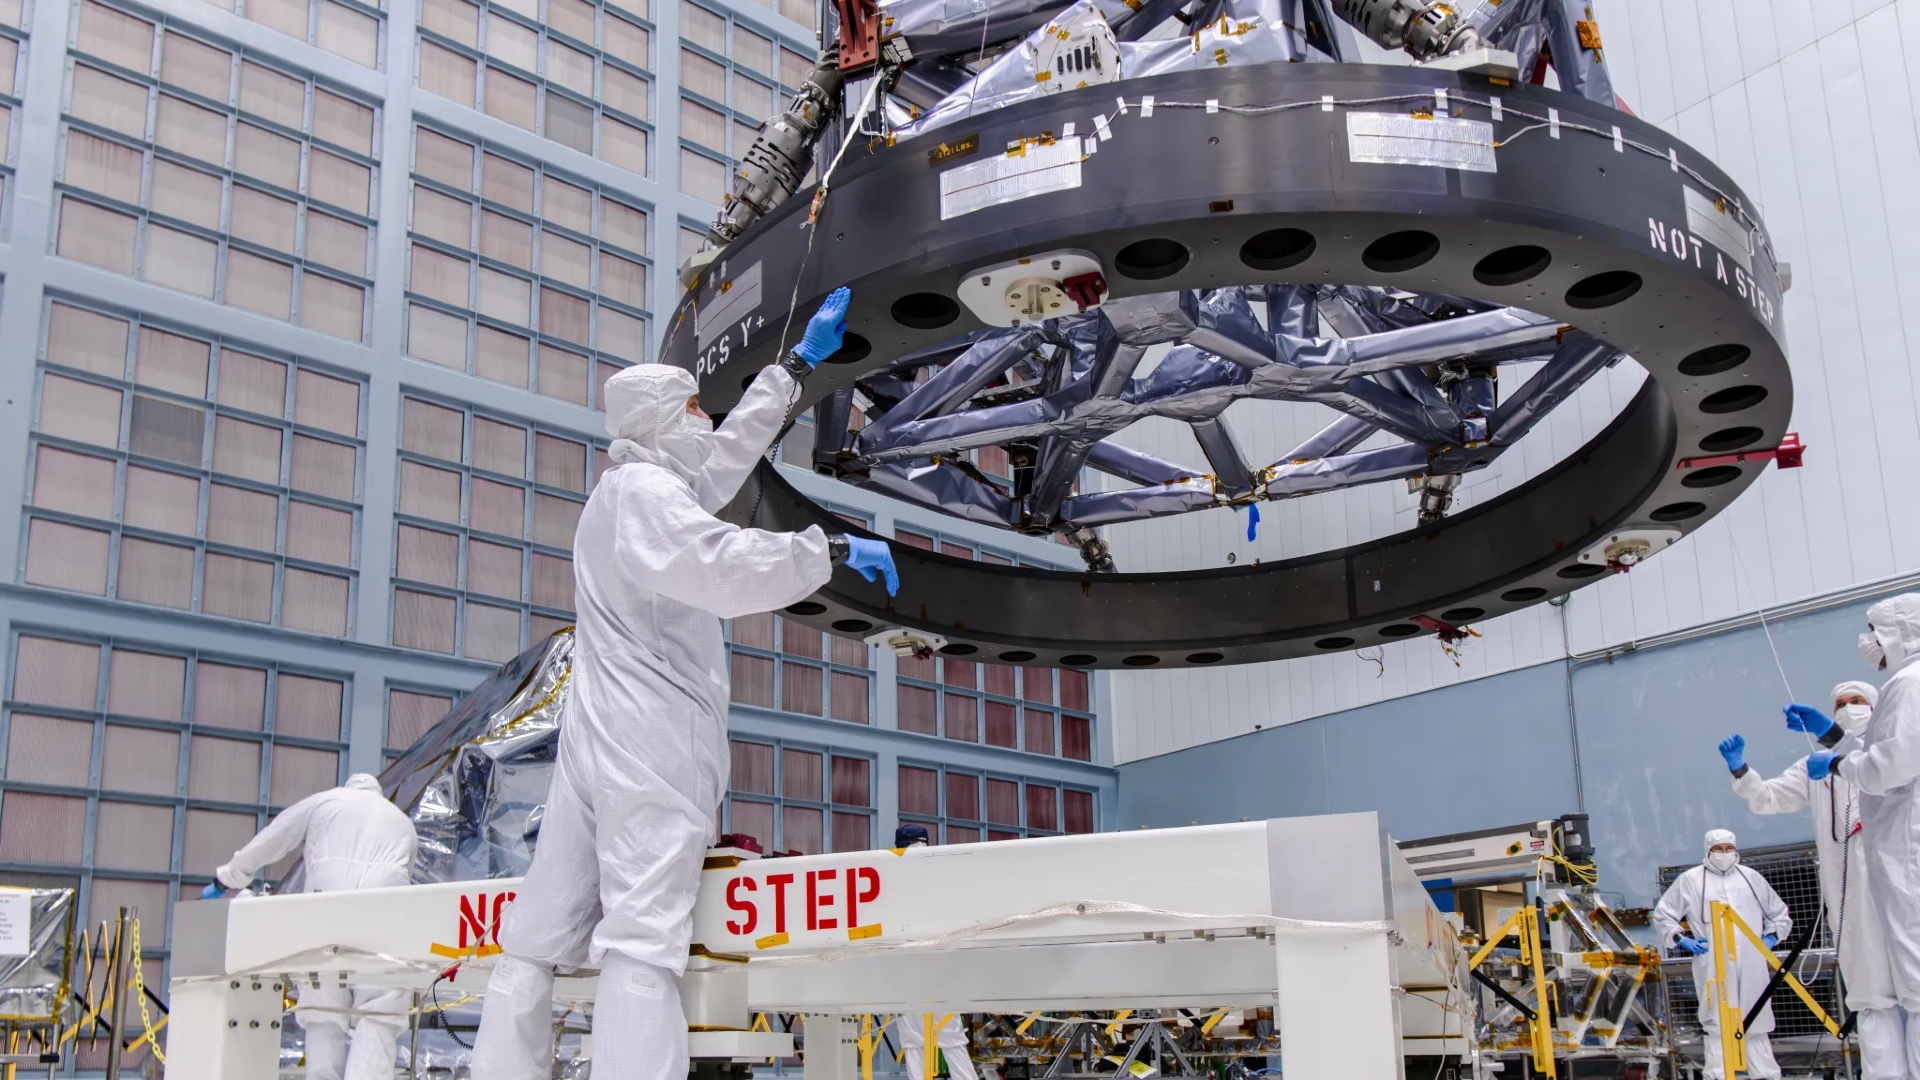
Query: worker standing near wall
x=951, y=1036
x=1844, y=888
x=1690, y=899
x=350, y=837
x=643, y=760
x=1885, y=768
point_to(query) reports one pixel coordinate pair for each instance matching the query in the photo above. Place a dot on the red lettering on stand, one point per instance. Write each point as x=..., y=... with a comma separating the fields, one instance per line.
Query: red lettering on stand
x=857, y=877
x=817, y=899
x=473, y=920
x=734, y=903
x=500, y=902
x=779, y=883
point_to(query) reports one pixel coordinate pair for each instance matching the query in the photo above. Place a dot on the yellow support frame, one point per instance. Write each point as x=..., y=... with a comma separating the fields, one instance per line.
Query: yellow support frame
x=1525, y=923
x=1733, y=1035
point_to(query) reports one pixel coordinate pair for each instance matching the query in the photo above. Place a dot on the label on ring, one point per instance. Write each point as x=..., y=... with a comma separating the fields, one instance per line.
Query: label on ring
x=1005, y=178
x=1442, y=142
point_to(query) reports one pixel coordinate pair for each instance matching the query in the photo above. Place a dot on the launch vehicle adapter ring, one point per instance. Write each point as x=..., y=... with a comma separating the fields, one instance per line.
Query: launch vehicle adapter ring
x=1624, y=262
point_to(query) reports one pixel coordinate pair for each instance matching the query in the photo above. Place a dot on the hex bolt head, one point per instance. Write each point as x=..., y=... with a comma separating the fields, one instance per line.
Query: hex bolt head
x=253, y=1023
x=233, y=1023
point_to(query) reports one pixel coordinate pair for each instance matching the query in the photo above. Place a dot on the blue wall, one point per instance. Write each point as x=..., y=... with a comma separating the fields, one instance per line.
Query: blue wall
x=1502, y=750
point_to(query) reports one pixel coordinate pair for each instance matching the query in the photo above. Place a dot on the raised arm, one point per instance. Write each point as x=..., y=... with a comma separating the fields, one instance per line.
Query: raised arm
x=674, y=547
x=275, y=842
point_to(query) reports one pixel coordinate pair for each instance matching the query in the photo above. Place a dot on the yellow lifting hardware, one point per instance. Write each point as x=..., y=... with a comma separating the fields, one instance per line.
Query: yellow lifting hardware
x=1525, y=922
x=1733, y=1034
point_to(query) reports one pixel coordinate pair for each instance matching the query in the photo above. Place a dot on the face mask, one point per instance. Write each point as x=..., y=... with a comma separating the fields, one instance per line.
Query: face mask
x=1722, y=861
x=1853, y=717
x=689, y=443
x=1872, y=652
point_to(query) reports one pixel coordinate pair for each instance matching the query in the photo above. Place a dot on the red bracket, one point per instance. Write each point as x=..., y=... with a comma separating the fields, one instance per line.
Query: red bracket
x=1086, y=289
x=1449, y=634
x=859, y=34
x=1787, y=455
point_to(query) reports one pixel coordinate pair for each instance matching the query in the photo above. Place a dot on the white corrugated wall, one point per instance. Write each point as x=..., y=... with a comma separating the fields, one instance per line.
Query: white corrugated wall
x=1811, y=106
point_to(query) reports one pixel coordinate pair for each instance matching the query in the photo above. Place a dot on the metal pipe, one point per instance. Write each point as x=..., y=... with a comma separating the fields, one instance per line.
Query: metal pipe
x=118, y=977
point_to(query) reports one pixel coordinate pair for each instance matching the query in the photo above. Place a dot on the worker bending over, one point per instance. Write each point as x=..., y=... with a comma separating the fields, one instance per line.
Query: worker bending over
x=950, y=1037
x=643, y=759
x=351, y=838
x=1844, y=888
x=1882, y=762
x=1720, y=877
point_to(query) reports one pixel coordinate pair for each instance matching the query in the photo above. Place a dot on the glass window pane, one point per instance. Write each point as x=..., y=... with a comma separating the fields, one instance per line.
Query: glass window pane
x=493, y=569
x=623, y=225
x=259, y=285
x=267, y=156
x=345, y=32
x=800, y=639
x=147, y=685
x=230, y=697
x=559, y=463
x=1000, y=725
x=512, y=100
x=564, y=315
x=553, y=582
x=503, y=296
x=110, y=101
x=752, y=680
x=245, y=449
x=328, y=403
x=801, y=689
x=963, y=796
x=800, y=830
x=621, y=335
x=752, y=50
x=702, y=177
x=569, y=122
x=509, y=240
x=623, y=280
x=300, y=771
x=563, y=375
x=154, y=573
x=962, y=834
x=793, y=66
x=171, y=362
x=96, y=236
x=703, y=76
x=116, y=36
x=626, y=41
x=73, y=483
x=322, y=467
x=342, y=121
x=88, y=340
x=439, y=157
x=963, y=717
x=287, y=16
x=498, y=447
x=48, y=750
x=101, y=165
x=212, y=838
x=625, y=91
x=319, y=533
x=1003, y=802
x=1042, y=803
x=1078, y=806
x=542, y=627
x=181, y=261
x=253, y=383
x=133, y=836
x=436, y=337
x=429, y=493
x=75, y=410
x=163, y=501
x=753, y=630
x=752, y=767
x=919, y=791
x=959, y=673
x=1039, y=730
x=307, y=707
x=498, y=508
x=454, y=19
x=998, y=679
x=314, y=602
x=564, y=259
x=42, y=828
x=428, y=556
x=422, y=621
x=429, y=429
x=506, y=182
x=1076, y=738
x=852, y=832
x=271, y=94
x=264, y=219
x=572, y=18
x=237, y=588
x=492, y=633
x=1036, y=684
x=447, y=73
x=567, y=205
x=852, y=781
x=106, y=896
x=516, y=44
x=916, y=705
x=410, y=715
x=801, y=775
x=336, y=242
x=63, y=556
x=849, y=697
x=194, y=130
x=752, y=98
x=140, y=760
x=334, y=179
x=703, y=27
x=753, y=819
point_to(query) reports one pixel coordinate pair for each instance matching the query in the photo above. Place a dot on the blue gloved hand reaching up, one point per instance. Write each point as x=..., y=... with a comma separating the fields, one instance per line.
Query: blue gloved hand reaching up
x=1733, y=748
x=1808, y=719
x=826, y=329
x=867, y=556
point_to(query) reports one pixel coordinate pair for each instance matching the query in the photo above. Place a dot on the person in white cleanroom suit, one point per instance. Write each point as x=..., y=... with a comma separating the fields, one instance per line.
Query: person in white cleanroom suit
x=643, y=759
x=351, y=838
x=1884, y=765
x=1721, y=877
x=950, y=1036
x=1844, y=888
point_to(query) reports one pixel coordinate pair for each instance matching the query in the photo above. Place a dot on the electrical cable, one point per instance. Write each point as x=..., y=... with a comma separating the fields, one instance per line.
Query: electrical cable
x=433, y=991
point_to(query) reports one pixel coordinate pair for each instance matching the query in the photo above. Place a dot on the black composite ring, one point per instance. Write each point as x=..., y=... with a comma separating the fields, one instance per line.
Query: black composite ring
x=1622, y=260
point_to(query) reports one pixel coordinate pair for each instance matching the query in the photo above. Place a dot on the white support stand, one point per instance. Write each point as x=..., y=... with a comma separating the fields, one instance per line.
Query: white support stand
x=832, y=1049
x=1336, y=1013
x=228, y=1030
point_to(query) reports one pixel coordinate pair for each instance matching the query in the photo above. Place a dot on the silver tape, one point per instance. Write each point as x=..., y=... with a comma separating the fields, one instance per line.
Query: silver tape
x=1443, y=142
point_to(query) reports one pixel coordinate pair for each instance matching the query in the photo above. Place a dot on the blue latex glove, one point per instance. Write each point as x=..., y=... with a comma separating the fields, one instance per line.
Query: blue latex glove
x=867, y=556
x=1732, y=748
x=1692, y=945
x=1820, y=764
x=213, y=891
x=1808, y=719
x=1772, y=940
x=826, y=328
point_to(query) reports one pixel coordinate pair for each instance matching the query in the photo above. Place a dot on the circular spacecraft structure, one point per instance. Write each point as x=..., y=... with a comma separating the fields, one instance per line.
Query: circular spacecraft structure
x=1010, y=270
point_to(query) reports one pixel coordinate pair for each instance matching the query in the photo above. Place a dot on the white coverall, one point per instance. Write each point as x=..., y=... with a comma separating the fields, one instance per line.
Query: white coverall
x=1851, y=910
x=643, y=758
x=1884, y=770
x=354, y=839
x=950, y=1037
x=1690, y=897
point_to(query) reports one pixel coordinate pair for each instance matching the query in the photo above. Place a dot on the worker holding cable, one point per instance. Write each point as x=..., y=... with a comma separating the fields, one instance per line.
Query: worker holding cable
x=1845, y=890
x=1689, y=900
x=643, y=759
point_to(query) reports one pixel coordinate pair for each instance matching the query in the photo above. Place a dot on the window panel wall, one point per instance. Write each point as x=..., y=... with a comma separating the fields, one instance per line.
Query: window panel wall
x=522, y=276
x=577, y=74
x=729, y=86
x=961, y=806
x=483, y=545
x=193, y=472
x=204, y=168
x=799, y=799
x=803, y=670
x=193, y=754
x=343, y=27
x=13, y=48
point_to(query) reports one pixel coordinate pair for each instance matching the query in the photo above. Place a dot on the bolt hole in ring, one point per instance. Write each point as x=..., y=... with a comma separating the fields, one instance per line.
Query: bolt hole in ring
x=806, y=607
x=852, y=626
x=959, y=648
x=1680, y=511
x=1141, y=660
x=1569, y=252
x=1460, y=615
x=1399, y=252
x=853, y=349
